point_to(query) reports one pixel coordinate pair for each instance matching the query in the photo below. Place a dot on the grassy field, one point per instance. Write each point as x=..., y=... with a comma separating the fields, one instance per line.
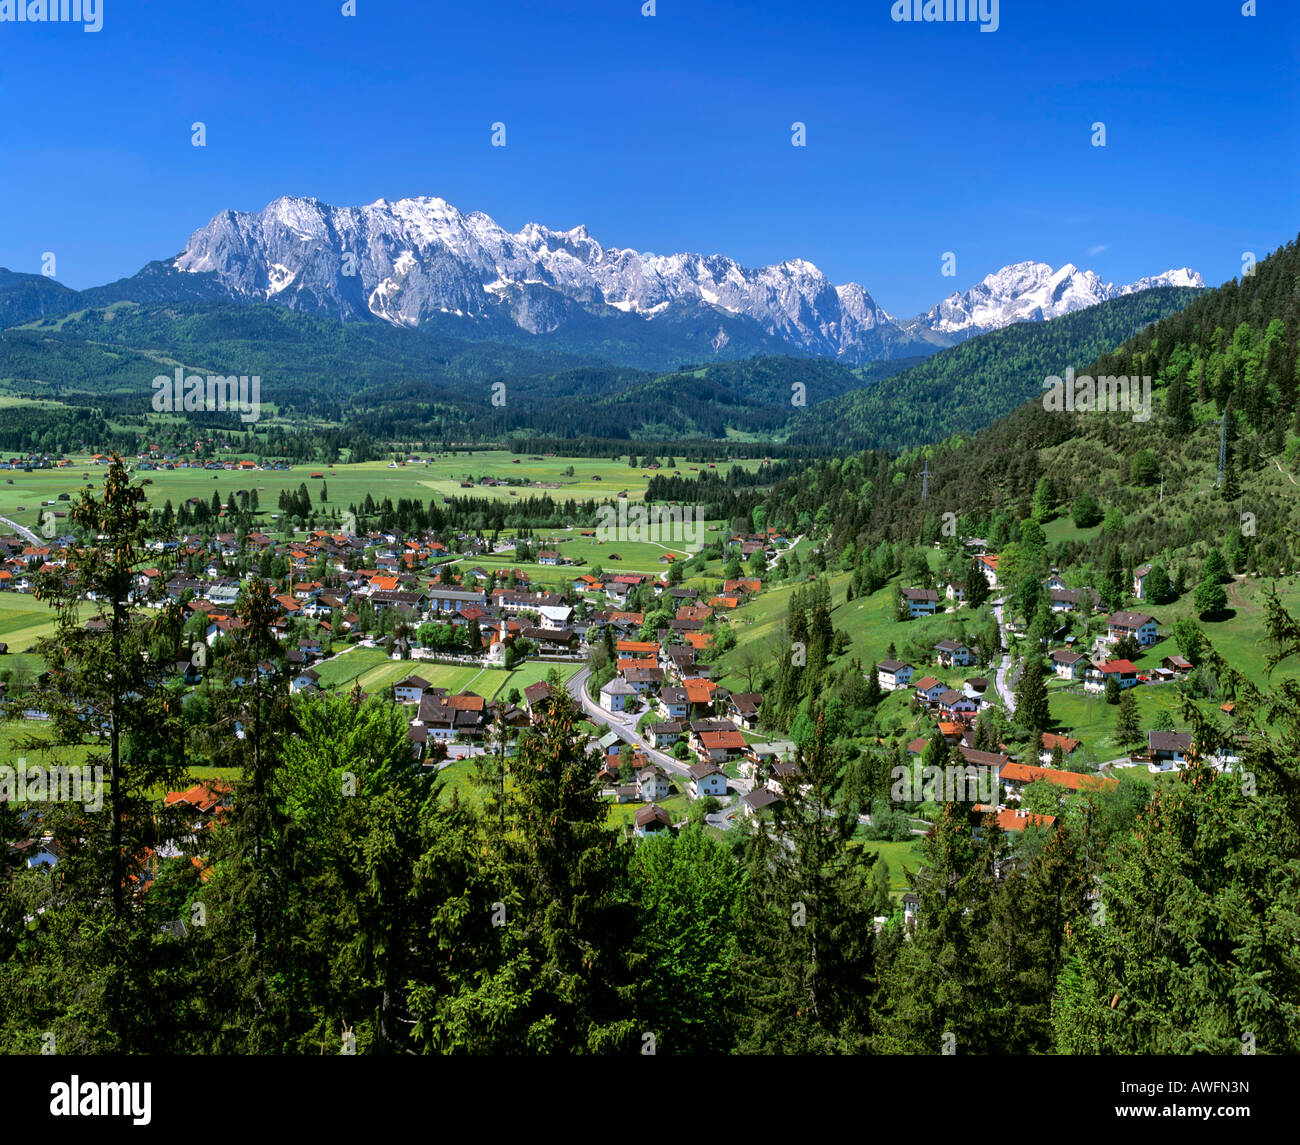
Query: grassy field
x=624, y=814
x=374, y=670
x=22, y=494
x=896, y=855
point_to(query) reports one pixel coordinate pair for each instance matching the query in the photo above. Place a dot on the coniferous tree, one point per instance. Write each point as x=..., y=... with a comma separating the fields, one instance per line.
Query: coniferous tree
x=807, y=940
x=1031, y=697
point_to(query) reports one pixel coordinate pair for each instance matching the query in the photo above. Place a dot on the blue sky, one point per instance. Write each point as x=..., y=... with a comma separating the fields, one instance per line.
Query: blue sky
x=673, y=132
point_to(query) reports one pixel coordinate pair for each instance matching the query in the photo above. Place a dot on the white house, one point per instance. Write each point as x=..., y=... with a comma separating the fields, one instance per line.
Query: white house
x=617, y=695
x=651, y=820
x=653, y=783
x=1135, y=624
x=893, y=674
x=707, y=779
x=953, y=655
x=1069, y=665
x=410, y=690
x=920, y=601
x=1140, y=581
x=555, y=616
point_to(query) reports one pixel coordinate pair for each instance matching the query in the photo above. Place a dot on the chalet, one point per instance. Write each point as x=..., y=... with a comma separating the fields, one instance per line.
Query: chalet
x=988, y=565
x=743, y=708
x=410, y=690
x=653, y=783
x=1017, y=820
x=957, y=706
x=994, y=761
x=781, y=772
x=1136, y=624
x=651, y=820
x=450, y=717
x=955, y=590
x=893, y=674
x=537, y=698
x=306, y=680
x=551, y=641
x=1177, y=664
x=951, y=654
x=719, y=746
x=1140, y=575
x=665, y=734
x=1074, y=600
x=674, y=704
x=617, y=695
x=707, y=779
x=1096, y=675
x=759, y=799
x=920, y=601
x=1169, y=749
x=555, y=616
x=442, y=598
x=549, y=557
x=1018, y=776
x=1051, y=742
x=1069, y=665
x=644, y=680
x=928, y=690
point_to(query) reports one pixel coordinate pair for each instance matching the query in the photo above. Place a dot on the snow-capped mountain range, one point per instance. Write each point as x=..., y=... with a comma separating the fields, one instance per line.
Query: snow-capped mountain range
x=408, y=261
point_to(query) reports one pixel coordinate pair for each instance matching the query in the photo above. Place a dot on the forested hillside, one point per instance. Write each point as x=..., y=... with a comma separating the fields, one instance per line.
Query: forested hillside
x=963, y=389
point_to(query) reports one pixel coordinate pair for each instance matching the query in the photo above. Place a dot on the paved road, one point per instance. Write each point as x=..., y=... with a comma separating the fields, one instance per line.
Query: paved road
x=1004, y=669
x=26, y=534
x=626, y=731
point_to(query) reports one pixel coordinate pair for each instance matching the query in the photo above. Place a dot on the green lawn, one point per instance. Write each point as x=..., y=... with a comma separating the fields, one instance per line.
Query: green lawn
x=896, y=855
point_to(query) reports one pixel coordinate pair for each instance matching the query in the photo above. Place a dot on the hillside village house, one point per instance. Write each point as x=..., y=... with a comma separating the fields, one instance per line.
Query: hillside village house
x=653, y=783
x=1136, y=624
x=893, y=674
x=1095, y=675
x=651, y=820
x=707, y=779
x=1140, y=575
x=665, y=734
x=1052, y=741
x=617, y=695
x=1074, y=600
x=988, y=565
x=410, y=690
x=929, y=689
x=920, y=601
x=720, y=746
x=1017, y=776
x=1069, y=665
x=953, y=655
x=1169, y=749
